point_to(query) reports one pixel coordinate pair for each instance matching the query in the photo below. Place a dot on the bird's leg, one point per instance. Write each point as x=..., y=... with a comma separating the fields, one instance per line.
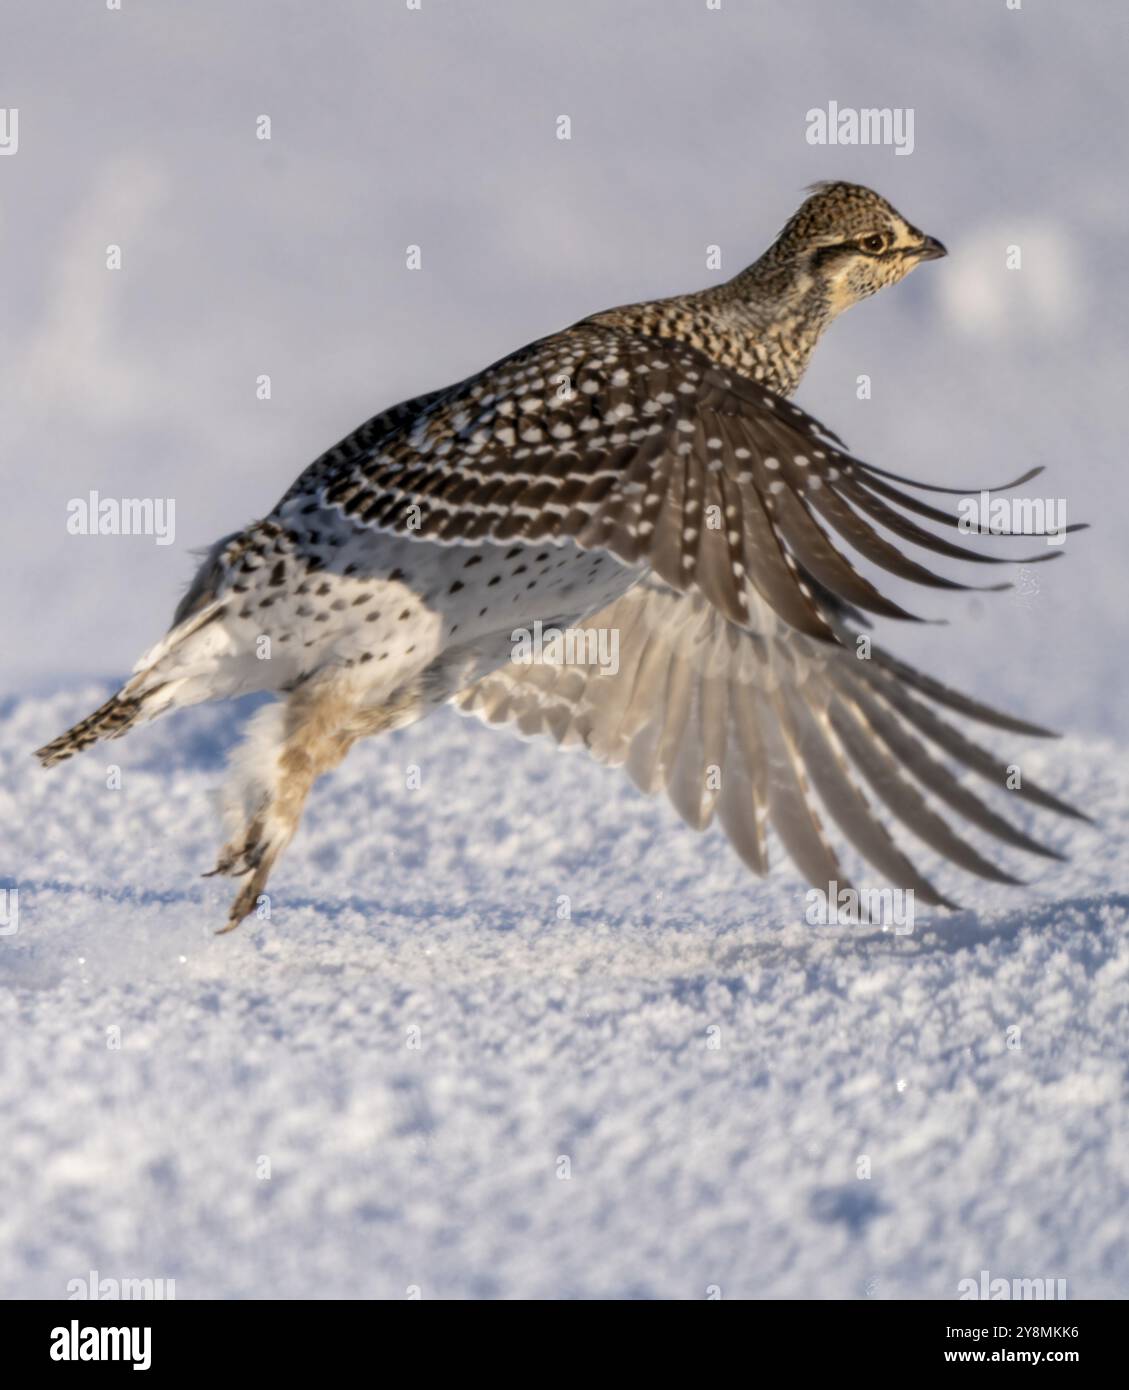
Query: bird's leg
x=286, y=752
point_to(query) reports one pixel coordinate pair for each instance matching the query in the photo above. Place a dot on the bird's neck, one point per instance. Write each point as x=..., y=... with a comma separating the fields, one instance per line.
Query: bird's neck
x=779, y=314
x=763, y=323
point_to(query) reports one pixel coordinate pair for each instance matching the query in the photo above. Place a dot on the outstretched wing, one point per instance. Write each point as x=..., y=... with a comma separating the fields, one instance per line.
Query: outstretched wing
x=760, y=728
x=642, y=447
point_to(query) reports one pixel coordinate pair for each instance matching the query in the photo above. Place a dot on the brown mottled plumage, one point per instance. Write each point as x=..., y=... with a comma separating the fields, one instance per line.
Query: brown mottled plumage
x=642, y=472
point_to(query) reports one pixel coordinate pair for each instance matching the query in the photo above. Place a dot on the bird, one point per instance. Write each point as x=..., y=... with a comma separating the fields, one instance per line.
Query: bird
x=644, y=473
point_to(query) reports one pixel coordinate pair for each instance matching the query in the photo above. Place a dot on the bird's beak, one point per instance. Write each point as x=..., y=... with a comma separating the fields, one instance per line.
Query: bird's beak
x=930, y=250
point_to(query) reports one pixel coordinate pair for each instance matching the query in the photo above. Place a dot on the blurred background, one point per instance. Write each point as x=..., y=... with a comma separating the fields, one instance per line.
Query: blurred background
x=437, y=127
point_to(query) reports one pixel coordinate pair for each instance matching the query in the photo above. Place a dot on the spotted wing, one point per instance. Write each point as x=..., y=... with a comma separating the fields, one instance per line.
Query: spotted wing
x=642, y=447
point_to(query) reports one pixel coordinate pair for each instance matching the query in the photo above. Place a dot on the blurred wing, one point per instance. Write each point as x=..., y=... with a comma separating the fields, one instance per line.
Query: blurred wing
x=762, y=728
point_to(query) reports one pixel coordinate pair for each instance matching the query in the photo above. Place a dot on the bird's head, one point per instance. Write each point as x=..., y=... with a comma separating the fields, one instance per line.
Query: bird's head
x=848, y=242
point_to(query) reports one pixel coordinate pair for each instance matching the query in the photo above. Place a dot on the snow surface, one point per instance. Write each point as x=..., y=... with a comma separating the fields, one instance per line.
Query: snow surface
x=587, y=1038
x=541, y=1038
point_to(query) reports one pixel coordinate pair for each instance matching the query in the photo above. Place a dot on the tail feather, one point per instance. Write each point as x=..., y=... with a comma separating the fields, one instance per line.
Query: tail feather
x=162, y=680
x=111, y=720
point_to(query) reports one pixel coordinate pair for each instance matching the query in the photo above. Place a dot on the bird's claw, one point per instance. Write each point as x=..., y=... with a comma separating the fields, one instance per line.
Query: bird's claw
x=254, y=856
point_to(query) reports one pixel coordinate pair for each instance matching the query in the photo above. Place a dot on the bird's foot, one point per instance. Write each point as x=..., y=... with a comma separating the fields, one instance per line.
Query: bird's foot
x=243, y=852
x=247, y=899
x=250, y=855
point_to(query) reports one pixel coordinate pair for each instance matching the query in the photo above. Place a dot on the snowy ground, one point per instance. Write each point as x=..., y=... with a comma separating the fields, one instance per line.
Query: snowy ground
x=585, y=1039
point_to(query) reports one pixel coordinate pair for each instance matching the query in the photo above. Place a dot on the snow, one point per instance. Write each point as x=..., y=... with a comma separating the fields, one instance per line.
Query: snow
x=712, y=1073
x=540, y=1038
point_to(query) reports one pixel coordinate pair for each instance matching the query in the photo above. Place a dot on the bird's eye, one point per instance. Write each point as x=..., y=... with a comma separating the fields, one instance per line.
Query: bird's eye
x=874, y=243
